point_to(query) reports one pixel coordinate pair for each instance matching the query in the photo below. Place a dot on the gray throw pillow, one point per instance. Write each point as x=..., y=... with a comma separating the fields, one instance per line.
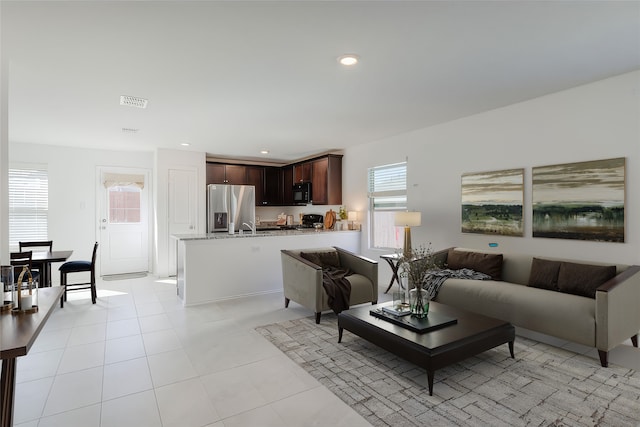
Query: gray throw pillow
x=583, y=279
x=544, y=274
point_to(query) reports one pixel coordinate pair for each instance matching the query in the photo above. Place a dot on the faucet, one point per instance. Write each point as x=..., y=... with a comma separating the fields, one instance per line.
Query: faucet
x=251, y=225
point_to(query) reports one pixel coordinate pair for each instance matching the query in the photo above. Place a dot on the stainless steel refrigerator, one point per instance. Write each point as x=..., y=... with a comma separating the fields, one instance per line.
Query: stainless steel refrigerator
x=229, y=206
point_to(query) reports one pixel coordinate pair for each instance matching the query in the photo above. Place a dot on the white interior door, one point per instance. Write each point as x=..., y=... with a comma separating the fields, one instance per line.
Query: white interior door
x=183, y=208
x=124, y=220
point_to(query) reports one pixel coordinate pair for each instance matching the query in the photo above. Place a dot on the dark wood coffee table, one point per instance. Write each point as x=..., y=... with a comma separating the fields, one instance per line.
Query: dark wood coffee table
x=471, y=335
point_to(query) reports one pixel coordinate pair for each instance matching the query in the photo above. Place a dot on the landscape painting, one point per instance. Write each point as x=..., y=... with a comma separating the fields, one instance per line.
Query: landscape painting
x=583, y=201
x=492, y=202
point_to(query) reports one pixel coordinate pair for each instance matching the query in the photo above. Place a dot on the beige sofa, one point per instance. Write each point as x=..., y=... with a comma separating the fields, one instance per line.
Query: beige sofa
x=302, y=279
x=603, y=322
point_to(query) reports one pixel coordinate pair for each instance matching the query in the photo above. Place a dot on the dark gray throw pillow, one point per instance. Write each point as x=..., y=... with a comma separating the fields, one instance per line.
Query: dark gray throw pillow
x=544, y=274
x=490, y=264
x=322, y=259
x=583, y=279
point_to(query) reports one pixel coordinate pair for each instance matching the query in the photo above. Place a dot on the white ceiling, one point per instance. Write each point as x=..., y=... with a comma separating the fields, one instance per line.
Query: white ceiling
x=232, y=78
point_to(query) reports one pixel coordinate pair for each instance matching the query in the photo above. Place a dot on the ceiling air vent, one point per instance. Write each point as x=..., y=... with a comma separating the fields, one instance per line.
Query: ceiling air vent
x=133, y=101
x=130, y=130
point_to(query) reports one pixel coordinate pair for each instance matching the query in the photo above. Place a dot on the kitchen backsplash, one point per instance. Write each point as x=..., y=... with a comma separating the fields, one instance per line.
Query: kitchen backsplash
x=270, y=213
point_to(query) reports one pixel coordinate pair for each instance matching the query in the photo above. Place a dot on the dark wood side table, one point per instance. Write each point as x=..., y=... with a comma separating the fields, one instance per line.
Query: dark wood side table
x=18, y=332
x=394, y=262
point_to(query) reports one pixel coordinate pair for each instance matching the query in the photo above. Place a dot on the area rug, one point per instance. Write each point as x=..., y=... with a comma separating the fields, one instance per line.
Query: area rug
x=542, y=386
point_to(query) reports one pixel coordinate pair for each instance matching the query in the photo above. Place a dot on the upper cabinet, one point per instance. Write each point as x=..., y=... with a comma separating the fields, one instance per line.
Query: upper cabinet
x=219, y=173
x=325, y=176
x=274, y=185
x=287, y=185
x=273, y=192
x=302, y=172
x=255, y=177
x=326, y=180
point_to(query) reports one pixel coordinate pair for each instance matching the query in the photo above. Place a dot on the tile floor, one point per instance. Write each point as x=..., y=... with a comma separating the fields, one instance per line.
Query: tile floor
x=138, y=358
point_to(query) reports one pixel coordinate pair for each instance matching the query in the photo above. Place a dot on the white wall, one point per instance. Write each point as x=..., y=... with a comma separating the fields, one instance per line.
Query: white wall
x=596, y=121
x=4, y=152
x=73, y=222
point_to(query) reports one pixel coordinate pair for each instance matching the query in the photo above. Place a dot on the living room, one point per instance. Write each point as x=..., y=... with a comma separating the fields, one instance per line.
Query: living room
x=591, y=121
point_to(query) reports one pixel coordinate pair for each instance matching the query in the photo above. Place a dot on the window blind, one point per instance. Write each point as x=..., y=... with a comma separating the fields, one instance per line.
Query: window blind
x=387, y=195
x=28, y=205
x=388, y=187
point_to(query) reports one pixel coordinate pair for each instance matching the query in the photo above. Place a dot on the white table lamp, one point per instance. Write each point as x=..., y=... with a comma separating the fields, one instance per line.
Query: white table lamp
x=407, y=220
x=352, y=216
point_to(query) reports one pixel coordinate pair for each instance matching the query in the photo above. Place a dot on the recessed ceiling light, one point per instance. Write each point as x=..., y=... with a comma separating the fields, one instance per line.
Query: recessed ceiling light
x=264, y=151
x=185, y=144
x=348, y=59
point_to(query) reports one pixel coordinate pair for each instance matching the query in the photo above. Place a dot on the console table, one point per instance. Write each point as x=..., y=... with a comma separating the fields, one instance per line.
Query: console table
x=19, y=332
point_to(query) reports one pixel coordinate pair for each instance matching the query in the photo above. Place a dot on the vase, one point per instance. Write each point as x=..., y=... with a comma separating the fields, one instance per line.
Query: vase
x=419, y=302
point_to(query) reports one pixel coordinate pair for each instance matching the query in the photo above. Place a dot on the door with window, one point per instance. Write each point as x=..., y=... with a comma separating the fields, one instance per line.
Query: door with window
x=124, y=220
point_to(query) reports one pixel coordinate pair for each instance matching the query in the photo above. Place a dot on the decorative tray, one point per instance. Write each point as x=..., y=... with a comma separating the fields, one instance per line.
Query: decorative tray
x=430, y=323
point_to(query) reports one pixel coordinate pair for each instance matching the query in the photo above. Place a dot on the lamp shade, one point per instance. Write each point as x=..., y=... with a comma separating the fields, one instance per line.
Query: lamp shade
x=408, y=219
x=352, y=216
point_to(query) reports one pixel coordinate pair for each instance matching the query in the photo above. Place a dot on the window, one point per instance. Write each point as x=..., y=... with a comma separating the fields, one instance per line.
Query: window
x=387, y=195
x=28, y=205
x=124, y=193
x=124, y=204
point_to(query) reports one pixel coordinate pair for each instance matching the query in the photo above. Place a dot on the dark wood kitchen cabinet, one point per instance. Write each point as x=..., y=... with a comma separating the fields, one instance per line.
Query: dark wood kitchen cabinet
x=302, y=172
x=274, y=185
x=220, y=173
x=287, y=190
x=255, y=177
x=326, y=180
x=273, y=189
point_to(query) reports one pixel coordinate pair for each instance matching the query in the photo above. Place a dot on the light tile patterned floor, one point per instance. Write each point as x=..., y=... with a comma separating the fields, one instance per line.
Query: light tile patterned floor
x=138, y=358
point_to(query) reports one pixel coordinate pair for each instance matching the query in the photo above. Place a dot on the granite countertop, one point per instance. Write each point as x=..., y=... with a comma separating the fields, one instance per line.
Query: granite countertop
x=260, y=233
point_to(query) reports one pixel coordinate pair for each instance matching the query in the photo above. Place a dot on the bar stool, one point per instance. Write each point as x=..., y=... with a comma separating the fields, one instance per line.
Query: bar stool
x=77, y=267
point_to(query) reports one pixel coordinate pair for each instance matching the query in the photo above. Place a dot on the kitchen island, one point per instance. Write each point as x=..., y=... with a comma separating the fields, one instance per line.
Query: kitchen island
x=219, y=266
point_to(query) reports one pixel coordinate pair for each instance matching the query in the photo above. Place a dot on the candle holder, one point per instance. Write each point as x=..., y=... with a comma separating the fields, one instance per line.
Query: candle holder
x=25, y=295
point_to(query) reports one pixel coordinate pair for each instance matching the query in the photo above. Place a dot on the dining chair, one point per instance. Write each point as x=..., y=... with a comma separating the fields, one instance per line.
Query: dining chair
x=20, y=260
x=46, y=244
x=42, y=244
x=79, y=267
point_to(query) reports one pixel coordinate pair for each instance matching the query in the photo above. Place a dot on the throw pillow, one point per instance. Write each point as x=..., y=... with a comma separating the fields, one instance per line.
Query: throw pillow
x=322, y=259
x=544, y=274
x=490, y=264
x=583, y=279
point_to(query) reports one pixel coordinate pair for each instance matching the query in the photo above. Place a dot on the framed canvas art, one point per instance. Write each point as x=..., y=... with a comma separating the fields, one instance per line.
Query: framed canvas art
x=583, y=201
x=492, y=202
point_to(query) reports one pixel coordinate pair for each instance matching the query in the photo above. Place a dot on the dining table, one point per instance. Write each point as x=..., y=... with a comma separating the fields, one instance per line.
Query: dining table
x=42, y=260
x=19, y=332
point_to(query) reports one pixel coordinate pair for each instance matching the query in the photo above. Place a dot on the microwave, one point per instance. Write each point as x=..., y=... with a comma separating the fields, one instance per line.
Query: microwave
x=302, y=193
